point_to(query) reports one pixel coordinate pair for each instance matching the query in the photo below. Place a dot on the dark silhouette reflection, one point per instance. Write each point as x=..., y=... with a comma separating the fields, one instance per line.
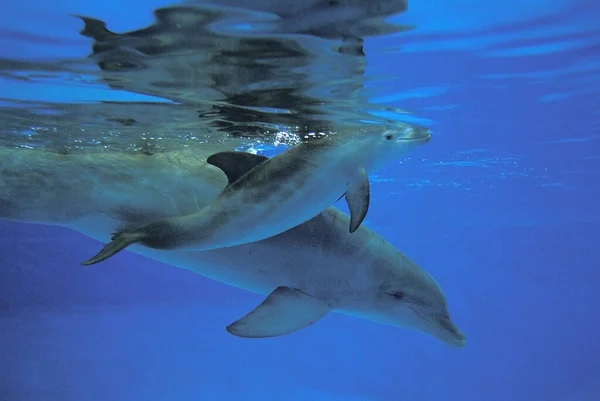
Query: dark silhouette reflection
x=247, y=67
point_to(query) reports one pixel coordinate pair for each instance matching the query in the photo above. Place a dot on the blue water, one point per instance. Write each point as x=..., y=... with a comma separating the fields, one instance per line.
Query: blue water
x=501, y=207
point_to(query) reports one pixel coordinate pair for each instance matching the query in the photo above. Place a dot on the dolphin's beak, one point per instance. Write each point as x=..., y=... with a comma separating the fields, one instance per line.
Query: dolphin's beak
x=449, y=333
x=441, y=327
x=418, y=134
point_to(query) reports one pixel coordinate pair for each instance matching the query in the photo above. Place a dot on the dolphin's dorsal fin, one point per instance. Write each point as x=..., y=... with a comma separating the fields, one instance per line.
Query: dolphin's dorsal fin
x=285, y=310
x=235, y=164
x=95, y=29
x=358, y=197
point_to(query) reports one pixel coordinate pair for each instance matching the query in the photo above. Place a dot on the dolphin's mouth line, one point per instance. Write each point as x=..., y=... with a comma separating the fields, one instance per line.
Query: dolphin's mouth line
x=422, y=316
x=422, y=138
x=436, y=324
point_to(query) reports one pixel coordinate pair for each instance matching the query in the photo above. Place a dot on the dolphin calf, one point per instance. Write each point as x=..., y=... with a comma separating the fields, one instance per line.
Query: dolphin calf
x=306, y=272
x=266, y=197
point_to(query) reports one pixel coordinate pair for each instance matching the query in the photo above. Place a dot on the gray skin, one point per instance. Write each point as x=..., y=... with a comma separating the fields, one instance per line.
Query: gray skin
x=280, y=193
x=357, y=274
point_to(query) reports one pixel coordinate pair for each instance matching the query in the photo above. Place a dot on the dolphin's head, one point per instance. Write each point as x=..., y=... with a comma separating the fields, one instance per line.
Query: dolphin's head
x=404, y=295
x=380, y=147
x=403, y=137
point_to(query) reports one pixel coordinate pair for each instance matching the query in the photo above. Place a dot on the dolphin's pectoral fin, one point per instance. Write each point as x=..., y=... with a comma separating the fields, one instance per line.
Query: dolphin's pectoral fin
x=235, y=164
x=358, y=197
x=285, y=310
x=119, y=241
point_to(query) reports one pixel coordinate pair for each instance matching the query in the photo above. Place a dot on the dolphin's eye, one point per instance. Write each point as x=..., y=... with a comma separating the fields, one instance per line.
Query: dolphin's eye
x=398, y=295
x=389, y=137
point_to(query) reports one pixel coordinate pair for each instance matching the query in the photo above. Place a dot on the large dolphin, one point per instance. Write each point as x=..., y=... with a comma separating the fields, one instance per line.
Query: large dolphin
x=305, y=272
x=269, y=196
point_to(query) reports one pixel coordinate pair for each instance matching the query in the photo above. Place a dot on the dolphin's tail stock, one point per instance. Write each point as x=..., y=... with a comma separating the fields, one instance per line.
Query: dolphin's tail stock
x=119, y=241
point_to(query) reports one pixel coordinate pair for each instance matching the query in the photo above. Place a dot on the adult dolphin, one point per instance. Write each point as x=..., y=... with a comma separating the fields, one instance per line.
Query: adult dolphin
x=305, y=272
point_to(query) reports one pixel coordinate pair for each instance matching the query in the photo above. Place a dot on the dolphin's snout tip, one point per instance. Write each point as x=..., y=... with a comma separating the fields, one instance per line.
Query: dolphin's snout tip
x=456, y=339
x=424, y=133
x=452, y=334
x=419, y=134
x=459, y=341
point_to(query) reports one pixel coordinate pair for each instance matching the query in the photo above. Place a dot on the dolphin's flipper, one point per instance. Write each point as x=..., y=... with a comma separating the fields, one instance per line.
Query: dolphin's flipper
x=235, y=164
x=285, y=310
x=358, y=198
x=118, y=242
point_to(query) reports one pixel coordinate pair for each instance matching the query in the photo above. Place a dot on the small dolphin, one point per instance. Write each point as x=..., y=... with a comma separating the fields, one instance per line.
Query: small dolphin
x=277, y=194
x=325, y=268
